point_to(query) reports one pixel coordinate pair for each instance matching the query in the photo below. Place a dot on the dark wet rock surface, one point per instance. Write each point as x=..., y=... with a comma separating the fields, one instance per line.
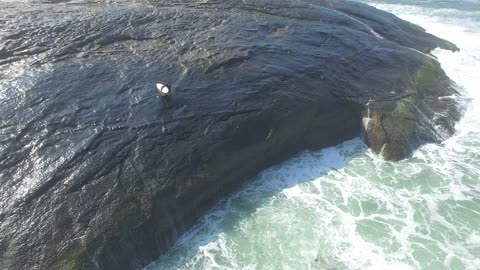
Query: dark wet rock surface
x=97, y=172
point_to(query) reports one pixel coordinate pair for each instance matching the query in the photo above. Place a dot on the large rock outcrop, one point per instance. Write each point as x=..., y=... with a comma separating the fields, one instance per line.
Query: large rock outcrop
x=97, y=172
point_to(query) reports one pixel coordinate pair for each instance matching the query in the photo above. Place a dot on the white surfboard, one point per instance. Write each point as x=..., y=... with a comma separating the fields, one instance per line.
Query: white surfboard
x=164, y=90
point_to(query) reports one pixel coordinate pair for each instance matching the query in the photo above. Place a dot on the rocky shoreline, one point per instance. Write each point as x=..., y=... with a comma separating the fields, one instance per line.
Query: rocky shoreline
x=98, y=173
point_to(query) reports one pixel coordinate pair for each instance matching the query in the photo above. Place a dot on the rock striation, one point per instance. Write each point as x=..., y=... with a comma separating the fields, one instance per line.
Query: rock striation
x=97, y=172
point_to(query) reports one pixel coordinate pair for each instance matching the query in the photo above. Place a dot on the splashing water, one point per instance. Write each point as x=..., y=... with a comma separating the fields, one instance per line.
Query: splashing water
x=344, y=208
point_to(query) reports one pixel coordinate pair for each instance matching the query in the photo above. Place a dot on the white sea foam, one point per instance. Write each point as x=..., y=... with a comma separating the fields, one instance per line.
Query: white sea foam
x=345, y=208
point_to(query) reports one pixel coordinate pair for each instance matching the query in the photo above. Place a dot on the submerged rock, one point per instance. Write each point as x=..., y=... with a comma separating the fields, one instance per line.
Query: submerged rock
x=98, y=173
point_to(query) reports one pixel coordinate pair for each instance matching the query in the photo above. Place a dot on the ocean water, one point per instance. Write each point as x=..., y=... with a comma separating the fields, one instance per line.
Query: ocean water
x=344, y=208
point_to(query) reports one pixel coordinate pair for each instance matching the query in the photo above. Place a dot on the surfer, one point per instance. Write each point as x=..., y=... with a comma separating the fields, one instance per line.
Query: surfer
x=165, y=91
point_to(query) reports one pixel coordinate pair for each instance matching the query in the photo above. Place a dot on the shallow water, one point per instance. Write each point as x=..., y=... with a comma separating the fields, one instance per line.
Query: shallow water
x=344, y=208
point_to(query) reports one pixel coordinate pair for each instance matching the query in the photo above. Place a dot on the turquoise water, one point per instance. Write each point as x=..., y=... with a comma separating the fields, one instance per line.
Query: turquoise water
x=344, y=208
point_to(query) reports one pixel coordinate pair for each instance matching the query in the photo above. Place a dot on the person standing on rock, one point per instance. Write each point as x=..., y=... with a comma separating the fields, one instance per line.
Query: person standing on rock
x=165, y=91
